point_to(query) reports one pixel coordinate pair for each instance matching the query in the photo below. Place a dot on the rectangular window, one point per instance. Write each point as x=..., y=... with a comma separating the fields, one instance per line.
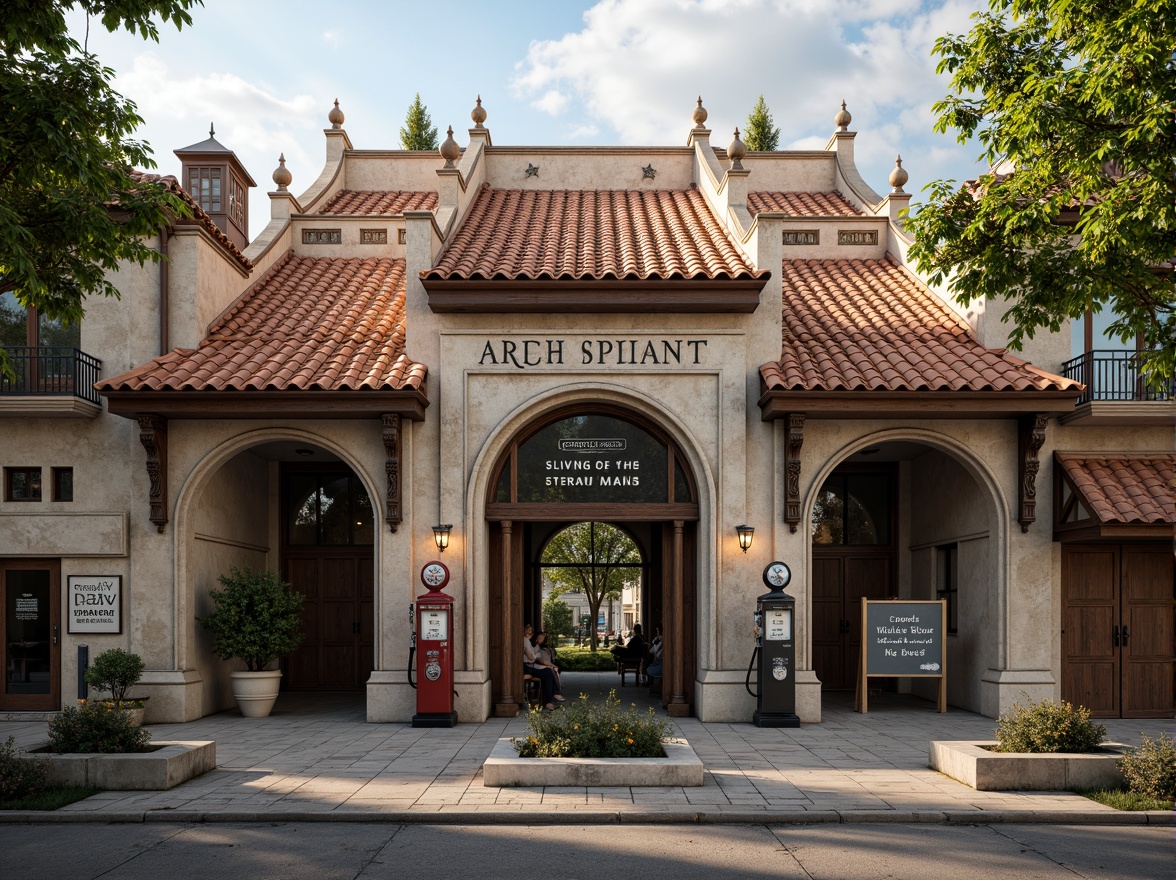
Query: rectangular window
x=22, y=484
x=947, y=582
x=204, y=185
x=62, y=484
x=237, y=201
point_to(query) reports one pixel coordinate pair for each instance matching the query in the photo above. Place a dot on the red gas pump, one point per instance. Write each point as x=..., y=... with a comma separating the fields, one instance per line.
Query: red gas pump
x=434, y=628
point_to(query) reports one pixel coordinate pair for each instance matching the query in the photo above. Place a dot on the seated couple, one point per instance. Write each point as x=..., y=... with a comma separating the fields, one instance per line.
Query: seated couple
x=539, y=662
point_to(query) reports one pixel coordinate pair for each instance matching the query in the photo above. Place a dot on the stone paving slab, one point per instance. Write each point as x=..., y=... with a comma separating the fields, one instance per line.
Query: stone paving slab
x=317, y=759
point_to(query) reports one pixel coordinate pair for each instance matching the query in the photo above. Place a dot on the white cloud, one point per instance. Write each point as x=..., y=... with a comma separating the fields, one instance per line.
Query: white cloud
x=331, y=38
x=636, y=66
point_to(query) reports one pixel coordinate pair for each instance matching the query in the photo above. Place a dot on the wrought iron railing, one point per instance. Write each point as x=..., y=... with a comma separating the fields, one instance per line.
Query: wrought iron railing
x=51, y=370
x=1113, y=375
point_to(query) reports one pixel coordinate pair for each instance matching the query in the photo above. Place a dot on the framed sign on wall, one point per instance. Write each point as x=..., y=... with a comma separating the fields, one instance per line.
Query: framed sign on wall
x=94, y=604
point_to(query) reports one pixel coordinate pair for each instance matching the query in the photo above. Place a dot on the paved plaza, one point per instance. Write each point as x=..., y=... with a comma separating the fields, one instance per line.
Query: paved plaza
x=316, y=758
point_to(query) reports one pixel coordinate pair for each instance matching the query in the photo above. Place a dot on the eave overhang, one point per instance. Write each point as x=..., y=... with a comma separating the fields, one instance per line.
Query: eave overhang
x=410, y=404
x=778, y=403
x=581, y=296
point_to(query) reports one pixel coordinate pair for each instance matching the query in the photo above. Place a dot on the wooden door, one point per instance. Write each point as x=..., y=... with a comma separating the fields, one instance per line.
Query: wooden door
x=1117, y=629
x=338, y=610
x=841, y=577
x=30, y=625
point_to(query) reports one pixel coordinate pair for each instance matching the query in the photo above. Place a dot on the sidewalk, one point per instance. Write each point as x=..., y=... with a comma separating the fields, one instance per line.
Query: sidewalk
x=317, y=759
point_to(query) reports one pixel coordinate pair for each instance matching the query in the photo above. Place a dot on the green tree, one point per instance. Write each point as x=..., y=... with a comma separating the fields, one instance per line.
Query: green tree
x=70, y=212
x=592, y=557
x=418, y=132
x=558, y=617
x=1074, y=105
x=759, y=133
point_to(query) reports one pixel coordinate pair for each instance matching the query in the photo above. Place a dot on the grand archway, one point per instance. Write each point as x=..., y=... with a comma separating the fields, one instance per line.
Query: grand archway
x=604, y=463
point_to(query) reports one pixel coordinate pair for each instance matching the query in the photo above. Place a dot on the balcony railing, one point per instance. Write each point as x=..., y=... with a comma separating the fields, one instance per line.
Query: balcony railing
x=1113, y=375
x=52, y=370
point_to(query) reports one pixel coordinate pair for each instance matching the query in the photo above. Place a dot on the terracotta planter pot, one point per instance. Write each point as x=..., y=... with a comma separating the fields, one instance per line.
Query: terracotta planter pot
x=256, y=692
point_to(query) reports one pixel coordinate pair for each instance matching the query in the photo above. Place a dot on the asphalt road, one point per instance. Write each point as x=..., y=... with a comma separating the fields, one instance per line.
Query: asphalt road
x=333, y=851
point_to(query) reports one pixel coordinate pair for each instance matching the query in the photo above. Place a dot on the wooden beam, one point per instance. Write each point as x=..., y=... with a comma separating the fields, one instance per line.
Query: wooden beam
x=1030, y=437
x=392, y=451
x=678, y=706
x=153, y=436
x=794, y=440
x=410, y=404
x=779, y=404
x=512, y=644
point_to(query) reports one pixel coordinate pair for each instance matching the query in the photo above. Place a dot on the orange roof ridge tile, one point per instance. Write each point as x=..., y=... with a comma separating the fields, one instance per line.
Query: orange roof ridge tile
x=802, y=204
x=384, y=202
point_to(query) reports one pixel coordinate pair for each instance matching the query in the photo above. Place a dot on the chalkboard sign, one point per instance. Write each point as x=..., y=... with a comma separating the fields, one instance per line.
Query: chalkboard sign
x=903, y=639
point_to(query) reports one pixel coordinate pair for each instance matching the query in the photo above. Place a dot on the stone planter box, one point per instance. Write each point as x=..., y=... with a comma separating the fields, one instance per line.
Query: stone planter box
x=680, y=767
x=985, y=770
x=159, y=770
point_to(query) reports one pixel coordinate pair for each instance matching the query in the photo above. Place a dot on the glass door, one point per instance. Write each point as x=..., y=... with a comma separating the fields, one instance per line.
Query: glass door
x=30, y=615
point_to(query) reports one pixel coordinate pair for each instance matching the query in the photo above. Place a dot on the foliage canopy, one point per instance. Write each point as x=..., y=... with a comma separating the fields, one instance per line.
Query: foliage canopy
x=1074, y=105
x=594, y=558
x=418, y=131
x=69, y=210
x=760, y=133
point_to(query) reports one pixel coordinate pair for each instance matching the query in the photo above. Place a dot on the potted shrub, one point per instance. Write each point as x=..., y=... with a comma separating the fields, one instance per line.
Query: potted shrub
x=115, y=671
x=256, y=618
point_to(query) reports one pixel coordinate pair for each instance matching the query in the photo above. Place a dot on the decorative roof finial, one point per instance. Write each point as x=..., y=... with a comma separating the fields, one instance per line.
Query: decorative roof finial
x=336, y=116
x=842, y=119
x=736, y=151
x=211, y=130
x=282, y=175
x=898, y=176
x=449, y=149
x=478, y=114
x=699, y=114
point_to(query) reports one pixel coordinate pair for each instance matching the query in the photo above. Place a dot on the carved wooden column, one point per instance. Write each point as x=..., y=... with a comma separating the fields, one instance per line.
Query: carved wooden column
x=678, y=706
x=153, y=436
x=793, y=442
x=1030, y=437
x=392, y=450
x=512, y=634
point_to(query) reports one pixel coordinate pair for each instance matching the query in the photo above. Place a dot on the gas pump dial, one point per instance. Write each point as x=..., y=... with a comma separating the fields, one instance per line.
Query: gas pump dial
x=777, y=575
x=435, y=575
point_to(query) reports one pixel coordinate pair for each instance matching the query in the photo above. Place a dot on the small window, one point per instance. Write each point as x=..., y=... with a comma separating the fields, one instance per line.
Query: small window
x=22, y=484
x=947, y=582
x=63, y=484
x=204, y=185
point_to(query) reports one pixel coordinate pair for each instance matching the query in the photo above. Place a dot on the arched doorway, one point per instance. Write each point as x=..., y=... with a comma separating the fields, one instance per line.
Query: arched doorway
x=602, y=463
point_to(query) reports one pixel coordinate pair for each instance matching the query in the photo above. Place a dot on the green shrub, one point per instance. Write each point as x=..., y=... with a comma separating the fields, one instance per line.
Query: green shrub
x=257, y=617
x=1150, y=770
x=20, y=777
x=593, y=730
x=95, y=727
x=115, y=671
x=584, y=660
x=1048, y=726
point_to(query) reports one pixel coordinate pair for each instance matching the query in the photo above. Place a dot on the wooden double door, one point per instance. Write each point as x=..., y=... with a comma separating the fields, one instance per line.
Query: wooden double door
x=842, y=576
x=338, y=617
x=1118, y=629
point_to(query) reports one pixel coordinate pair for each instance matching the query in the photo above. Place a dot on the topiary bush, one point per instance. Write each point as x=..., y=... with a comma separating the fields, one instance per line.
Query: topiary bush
x=1048, y=726
x=1150, y=770
x=257, y=617
x=584, y=660
x=96, y=727
x=592, y=730
x=115, y=670
x=20, y=777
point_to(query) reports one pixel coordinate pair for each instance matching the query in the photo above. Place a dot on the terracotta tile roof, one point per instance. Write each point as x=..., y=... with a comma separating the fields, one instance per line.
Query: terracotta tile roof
x=389, y=202
x=801, y=204
x=869, y=325
x=1125, y=487
x=590, y=235
x=199, y=216
x=309, y=324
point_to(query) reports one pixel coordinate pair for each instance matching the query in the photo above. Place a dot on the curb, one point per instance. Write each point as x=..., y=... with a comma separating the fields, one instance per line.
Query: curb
x=602, y=817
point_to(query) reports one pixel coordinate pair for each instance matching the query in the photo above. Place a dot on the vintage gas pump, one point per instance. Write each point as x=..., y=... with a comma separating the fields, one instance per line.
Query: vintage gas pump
x=775, y=644
x=434, y=638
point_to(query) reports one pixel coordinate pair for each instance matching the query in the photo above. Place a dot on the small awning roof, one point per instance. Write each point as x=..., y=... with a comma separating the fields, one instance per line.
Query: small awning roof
x=1127, y=494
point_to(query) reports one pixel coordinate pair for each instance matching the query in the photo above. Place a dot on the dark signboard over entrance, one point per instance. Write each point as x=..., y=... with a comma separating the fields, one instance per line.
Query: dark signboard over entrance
x=592, y=459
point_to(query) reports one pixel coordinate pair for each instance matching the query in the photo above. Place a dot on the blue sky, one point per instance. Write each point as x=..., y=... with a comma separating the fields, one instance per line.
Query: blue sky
x=555, y=72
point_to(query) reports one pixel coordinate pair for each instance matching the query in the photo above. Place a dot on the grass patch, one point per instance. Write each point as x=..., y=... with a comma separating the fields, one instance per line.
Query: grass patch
x=51, y=798
x=1121, y=799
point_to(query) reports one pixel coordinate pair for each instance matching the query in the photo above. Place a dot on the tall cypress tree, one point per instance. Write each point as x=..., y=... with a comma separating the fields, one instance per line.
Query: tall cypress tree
x=759, y=134
x=418, y=132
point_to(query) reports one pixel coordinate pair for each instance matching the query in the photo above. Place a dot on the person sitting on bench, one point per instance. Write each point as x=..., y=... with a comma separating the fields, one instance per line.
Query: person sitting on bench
x=634, y=649
x=546, y=676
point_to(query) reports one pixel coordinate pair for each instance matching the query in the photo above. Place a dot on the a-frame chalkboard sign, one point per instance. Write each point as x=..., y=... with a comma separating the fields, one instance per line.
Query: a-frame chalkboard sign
x=902, y=639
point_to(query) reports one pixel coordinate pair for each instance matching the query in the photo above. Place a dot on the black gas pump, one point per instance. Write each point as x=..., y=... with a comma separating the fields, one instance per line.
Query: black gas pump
x=776, y=648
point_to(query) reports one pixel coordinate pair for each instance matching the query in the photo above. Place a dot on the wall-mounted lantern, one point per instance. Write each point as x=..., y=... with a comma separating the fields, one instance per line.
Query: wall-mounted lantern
x=441, y=535
x=746, y=533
